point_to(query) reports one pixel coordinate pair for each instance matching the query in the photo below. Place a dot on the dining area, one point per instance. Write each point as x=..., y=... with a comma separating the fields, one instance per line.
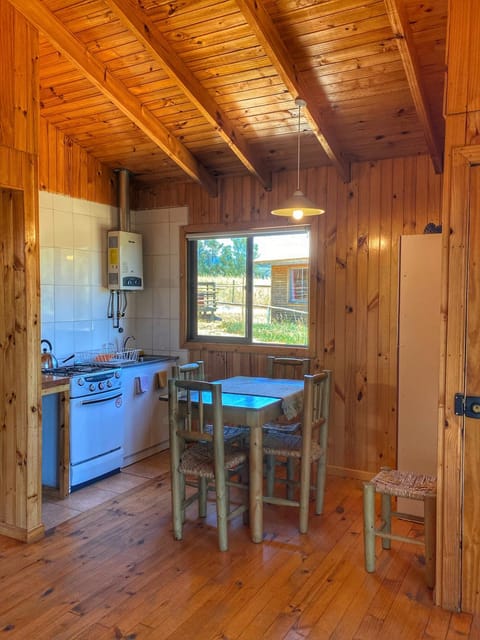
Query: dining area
x=259, y=439
x=117, y=569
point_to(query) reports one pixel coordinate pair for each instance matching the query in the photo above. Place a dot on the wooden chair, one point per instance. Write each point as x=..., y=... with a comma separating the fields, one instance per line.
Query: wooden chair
x=393, y=483
x=290, y=368
x=196, y=371
x=189, y=371
x=201, y=455
x=309, y=448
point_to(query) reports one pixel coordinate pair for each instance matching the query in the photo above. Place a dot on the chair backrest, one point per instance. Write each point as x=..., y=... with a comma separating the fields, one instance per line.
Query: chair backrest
x=316, y=409
x=205, y=398
x=189, y=371
x=290, y=368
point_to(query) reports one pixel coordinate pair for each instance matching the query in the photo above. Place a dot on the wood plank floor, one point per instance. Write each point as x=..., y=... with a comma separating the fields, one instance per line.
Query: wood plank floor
x=114, y=572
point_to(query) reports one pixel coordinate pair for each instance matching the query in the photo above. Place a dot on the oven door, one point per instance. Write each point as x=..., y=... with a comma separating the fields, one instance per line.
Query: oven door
x=96, y=435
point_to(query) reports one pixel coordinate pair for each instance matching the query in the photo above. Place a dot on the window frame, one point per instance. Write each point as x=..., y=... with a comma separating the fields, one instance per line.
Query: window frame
x=188, y=281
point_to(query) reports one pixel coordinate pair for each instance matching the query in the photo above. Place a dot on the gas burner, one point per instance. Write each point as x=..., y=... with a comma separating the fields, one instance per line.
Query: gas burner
x=89, y=379
x=77, y=369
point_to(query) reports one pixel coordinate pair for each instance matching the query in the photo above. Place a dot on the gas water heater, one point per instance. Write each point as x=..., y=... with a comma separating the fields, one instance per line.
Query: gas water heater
x=125, y=261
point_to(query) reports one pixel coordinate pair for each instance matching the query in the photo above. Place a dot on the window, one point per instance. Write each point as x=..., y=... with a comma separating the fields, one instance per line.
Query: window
x=248, y=287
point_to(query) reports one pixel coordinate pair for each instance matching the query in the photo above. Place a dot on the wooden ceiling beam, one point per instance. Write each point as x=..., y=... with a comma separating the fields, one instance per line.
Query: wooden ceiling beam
x=46, y=22
x=269, y=38
x=146, y=33
x=403, y=34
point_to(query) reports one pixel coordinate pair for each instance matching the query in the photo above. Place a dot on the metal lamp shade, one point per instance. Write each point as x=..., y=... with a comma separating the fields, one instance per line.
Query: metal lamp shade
x=298, y=206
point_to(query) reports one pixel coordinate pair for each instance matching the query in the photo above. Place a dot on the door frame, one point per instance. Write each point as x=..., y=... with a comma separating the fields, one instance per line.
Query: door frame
x=452, y=378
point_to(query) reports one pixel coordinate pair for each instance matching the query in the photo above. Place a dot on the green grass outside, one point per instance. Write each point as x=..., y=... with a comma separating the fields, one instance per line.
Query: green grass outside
x=290, y=333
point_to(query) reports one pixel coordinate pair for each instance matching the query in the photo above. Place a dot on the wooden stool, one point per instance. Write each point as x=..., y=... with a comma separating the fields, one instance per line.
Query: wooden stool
x=404, y=484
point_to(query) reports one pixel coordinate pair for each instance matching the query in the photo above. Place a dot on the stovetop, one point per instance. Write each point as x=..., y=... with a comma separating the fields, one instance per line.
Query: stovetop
x=77, y=369
x=89, y=379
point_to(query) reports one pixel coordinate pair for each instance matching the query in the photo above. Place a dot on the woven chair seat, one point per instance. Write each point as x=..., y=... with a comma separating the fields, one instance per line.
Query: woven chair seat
x=282, y=428
x=230, y=433
x=405, y=484
x=198, y=460
x=285, y=444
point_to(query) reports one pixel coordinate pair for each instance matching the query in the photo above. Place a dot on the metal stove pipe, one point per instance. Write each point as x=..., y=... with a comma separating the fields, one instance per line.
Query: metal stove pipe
x=124, y=199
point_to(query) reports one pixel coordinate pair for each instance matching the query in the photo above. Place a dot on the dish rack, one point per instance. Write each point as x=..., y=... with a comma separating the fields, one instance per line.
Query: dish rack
x=104, y=355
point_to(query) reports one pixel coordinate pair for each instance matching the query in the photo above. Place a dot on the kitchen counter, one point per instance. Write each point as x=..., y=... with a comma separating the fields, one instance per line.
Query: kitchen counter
x=54, y=384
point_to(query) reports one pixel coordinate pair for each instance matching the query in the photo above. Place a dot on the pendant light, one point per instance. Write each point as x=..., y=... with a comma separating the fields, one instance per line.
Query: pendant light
x=298, y=205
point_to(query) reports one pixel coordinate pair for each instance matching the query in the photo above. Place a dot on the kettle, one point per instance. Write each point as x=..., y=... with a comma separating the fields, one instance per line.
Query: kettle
x=48, y=360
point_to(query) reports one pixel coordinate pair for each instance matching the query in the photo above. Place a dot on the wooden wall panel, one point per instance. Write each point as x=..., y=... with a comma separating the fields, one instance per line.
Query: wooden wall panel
x=19, y=95
x=20, y=438
x=355, y=244
x=458, y=572
x=65, y=168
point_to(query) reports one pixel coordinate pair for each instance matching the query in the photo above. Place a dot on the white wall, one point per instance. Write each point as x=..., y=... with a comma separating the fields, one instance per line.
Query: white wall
x=74, y=294
x=157, y=306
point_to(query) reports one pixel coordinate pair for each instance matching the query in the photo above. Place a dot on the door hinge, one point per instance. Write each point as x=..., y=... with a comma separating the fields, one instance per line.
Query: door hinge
x=467, y=406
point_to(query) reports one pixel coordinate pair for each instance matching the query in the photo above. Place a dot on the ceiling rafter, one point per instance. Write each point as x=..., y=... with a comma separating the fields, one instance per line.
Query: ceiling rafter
x=44, y=20
x=403, y=34
x=146, y=33
x=269, y=38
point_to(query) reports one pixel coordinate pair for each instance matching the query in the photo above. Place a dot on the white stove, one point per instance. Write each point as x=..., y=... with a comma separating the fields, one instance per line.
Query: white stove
x=96, y=421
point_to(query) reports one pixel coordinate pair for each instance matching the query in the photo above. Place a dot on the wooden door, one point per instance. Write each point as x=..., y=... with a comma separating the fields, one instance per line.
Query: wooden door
x=471, y=476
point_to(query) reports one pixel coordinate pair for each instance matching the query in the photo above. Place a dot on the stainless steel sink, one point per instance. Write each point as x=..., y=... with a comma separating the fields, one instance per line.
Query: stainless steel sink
x=148, y=359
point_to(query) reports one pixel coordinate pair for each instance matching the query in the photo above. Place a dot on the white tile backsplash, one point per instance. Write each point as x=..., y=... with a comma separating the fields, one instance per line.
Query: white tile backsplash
x=145, y=303
x=162, y=303
x=47, y=295
x=74, y=294
x=46, y=228
x=47, y=262
x=82, y=232
x=161, y=336
x=157, y=271
x=64, y=303
x=63, y=266
x=82, y=303
x=100, y=298
x=98, y=269
x=62, y=229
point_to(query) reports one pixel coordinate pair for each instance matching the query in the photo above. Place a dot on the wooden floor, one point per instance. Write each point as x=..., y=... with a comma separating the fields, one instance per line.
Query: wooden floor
x=115, y=572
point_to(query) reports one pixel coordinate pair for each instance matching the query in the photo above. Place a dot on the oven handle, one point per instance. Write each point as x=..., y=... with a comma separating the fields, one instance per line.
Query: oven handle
x=100, y=400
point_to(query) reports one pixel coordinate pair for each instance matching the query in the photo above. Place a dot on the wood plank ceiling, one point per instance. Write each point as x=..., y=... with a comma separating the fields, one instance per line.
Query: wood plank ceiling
x=197, y=89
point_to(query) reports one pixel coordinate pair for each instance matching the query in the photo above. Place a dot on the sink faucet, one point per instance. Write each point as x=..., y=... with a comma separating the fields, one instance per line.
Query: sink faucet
x=126, y=340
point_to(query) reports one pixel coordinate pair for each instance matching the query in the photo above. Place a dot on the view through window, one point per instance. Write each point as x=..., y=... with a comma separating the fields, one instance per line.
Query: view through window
x=249, y=287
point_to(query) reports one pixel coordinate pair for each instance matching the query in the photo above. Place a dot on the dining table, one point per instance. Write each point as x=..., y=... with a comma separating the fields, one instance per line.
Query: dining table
x=254, y=401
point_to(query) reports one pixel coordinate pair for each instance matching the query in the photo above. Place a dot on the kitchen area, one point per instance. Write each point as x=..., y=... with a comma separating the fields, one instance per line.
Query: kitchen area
x=106, y=354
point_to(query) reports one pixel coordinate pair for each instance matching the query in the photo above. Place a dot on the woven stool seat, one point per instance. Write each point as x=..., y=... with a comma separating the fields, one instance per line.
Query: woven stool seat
x=405, y=484
x=399, y=484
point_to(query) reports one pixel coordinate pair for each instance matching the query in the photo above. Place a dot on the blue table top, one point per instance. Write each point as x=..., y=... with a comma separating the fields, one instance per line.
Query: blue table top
x=242, y=401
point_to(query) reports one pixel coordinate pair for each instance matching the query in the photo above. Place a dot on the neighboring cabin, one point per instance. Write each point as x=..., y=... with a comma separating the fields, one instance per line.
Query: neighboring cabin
x=289, y=282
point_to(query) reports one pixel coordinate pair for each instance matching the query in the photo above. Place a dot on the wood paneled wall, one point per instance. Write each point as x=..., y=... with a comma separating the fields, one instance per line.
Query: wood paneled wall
x=66, y=168
x=20, y=450
x=356, y=275
x=459, y=460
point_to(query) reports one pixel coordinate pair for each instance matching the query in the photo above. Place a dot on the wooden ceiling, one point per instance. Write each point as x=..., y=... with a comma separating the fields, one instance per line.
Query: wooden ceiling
x=196, y=89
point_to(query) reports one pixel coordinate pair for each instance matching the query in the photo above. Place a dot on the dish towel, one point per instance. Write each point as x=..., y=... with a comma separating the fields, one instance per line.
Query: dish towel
x=142, y=384
x=161, y=379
